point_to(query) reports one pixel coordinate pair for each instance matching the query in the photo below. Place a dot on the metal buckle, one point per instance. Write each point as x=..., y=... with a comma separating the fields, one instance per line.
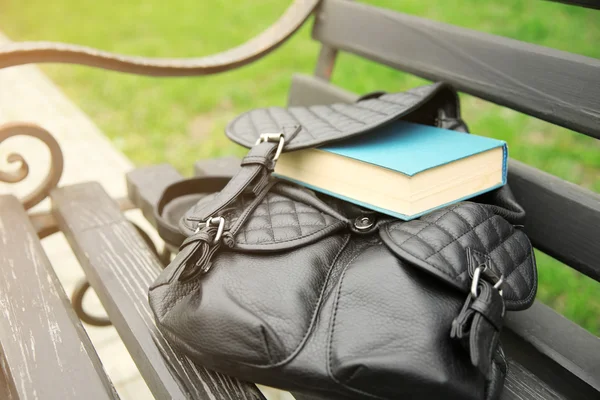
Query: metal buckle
x=212, y=221
x=477, y=277
x=272, y=137
x=221, y=222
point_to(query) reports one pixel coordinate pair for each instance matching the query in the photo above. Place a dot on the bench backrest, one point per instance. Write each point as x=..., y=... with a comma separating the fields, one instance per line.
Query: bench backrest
x=563, y=219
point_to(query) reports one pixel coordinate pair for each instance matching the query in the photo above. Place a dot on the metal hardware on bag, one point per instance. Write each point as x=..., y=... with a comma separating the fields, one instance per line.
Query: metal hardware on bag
x=210, y=222
x=475, y=281
x=221, y=222
x=477, y=277
x=499, y=284
x=363, y=223
x=272, y=137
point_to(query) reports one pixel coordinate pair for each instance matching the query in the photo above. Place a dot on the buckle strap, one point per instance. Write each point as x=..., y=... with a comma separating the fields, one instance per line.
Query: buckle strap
x=478, y=325
x=240, y=181
x=481, y=318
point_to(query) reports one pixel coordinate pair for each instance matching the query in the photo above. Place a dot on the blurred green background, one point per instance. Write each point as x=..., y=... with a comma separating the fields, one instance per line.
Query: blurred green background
x=180, y=120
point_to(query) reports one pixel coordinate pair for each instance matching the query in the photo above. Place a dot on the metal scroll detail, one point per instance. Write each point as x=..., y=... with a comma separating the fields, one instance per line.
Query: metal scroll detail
x=47, y=52
x=56, y=161
x=77, y=301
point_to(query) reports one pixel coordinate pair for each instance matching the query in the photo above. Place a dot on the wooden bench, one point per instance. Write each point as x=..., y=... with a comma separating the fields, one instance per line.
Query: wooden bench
x=45, y=349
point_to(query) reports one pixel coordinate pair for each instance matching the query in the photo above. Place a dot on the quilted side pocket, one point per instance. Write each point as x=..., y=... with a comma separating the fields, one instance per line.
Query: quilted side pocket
x=442, y=242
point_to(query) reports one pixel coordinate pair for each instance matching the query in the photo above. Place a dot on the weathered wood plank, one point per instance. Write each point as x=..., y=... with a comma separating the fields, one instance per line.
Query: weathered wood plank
x=325, y=62
x=555, y=86
x=555, y=349
x=120, y=268
x=581, y=3
x=522, y=384
x=146, y=184
x=309, y=91
x=563, y=219
x=45, y=352
x=217, y=167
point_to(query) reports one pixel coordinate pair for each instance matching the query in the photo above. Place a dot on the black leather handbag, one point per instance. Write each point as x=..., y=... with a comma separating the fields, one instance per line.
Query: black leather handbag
x=278, y=285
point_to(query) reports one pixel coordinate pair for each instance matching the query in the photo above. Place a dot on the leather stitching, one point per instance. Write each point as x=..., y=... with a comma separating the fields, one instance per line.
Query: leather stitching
x=263, y=243
x=502, y=241
x=332, y=330
x=294, y=225
x=266, y=344
x=456, y=240
x=314, y=111
x=270, y=220
x=358, y=105
x=338, y=109
x=273, y=120
x=421, y=240
x=400, y=226
x=531, y=295
x=316, y=310
x=183, y=289
x=283, y=213
x=471, y=228
x=298, y=219
x=442, y=271
x=313, y=320
x=293, y=112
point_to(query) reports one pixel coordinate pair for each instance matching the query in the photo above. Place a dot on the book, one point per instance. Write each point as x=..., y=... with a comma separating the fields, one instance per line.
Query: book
x=402, y=169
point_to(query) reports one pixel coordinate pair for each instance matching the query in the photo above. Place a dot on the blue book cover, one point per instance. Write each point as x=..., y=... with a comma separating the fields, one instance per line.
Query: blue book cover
x=410, y=149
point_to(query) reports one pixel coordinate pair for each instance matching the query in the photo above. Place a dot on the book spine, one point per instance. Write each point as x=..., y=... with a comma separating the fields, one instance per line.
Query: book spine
x=504, y=163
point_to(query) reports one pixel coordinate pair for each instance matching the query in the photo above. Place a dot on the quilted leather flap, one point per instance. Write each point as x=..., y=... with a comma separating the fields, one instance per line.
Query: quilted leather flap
x=287, y=217
x=452, y=242
x=327, y=123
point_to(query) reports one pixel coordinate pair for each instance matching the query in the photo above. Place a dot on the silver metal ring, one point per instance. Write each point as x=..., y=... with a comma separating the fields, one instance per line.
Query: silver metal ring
x=475, y=282
x=498, y=284
x=272, y=137
x=214, y=220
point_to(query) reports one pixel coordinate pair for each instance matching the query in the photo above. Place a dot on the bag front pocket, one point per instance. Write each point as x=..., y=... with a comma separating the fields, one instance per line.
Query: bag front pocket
x=260, y=298
x=249, y=308
x=389, y=334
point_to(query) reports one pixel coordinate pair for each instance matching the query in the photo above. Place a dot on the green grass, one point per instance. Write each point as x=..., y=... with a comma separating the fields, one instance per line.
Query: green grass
x=181, y=120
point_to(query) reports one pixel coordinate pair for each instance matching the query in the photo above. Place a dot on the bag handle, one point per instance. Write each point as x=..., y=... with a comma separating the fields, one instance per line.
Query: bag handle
x=19, y=53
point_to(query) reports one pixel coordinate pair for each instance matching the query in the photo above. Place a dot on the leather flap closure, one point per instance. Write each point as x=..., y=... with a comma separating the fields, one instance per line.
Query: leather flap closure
x=285, y=218
x=450, y=243
x=327, y=123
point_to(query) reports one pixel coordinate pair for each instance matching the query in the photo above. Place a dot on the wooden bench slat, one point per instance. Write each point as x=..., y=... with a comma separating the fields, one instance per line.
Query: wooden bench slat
x=120, y=268
x=563, y=219
x=145, y=186
x=217, y=167
x=308, y=90
x=555, y=349
x=581, y=3
x=522, y=384
x=44, y=350
x=555, y=86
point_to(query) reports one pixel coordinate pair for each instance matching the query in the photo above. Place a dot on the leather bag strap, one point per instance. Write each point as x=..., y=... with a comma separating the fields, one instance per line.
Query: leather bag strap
x=169, y=231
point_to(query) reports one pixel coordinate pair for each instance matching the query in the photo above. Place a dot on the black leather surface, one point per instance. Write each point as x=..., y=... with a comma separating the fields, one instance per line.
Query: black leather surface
x=348, y=315
x=438, y=243
x=327, y=123
x=298, y=298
